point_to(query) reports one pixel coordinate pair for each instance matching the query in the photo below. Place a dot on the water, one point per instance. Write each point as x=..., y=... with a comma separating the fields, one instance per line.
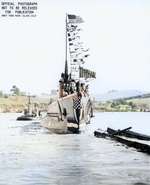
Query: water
x=29, y=154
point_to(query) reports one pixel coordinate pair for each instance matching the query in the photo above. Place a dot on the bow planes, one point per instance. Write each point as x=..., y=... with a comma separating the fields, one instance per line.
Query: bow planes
x=72, y=108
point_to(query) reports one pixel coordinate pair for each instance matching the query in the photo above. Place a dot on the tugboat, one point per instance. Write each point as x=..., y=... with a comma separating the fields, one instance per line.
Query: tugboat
x=73, y=108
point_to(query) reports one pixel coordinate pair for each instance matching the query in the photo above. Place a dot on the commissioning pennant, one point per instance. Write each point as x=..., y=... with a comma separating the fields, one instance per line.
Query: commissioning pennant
x=74, y=19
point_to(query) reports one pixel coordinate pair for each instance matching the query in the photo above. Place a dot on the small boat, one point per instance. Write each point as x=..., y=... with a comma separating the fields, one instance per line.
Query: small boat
x=27, y=117
x=30, y=113
x=141, y=144
x=61, y=115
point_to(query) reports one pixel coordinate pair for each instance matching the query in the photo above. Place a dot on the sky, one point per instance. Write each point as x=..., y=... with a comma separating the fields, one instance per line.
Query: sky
x=32, y=49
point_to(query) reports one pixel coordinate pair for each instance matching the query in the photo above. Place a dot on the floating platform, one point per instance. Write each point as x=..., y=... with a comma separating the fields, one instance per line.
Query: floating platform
x=131, y=141
x=130, y=134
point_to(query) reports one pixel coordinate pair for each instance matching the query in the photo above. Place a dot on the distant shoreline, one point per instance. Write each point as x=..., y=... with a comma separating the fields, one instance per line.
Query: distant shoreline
x=16, y=104
x=122, y=105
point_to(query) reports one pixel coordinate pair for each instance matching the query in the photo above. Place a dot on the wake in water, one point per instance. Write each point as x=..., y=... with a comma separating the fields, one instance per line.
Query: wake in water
x=34, y=128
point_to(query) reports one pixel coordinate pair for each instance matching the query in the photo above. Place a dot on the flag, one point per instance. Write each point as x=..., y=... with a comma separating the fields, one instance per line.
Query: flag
x=72, y=34
x=86, y=55
x=71, y=39
x=78, y=54
x=85, y=73
x=86, y=50
x=71, y=29
x=73, y=26
x=74, y=19
x=77, y=36
x=76, y=45
x=72, y=56
x=80, y=61
x=77, y=49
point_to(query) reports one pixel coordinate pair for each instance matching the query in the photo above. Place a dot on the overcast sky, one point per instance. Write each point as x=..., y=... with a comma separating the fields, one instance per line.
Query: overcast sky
x=32, y=50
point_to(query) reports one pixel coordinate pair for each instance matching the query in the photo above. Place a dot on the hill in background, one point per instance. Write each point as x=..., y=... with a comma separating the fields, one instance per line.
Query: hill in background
x=103, y=102
x=112, y=95
x=19, y=103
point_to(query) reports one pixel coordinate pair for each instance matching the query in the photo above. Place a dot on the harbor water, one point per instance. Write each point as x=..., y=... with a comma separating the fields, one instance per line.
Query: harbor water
x=30, y=155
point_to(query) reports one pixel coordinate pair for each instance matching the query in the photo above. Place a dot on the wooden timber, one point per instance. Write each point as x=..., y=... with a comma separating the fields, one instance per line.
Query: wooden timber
x=117, y=136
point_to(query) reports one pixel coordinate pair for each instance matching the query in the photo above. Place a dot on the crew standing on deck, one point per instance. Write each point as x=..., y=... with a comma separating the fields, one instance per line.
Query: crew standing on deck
x=76, y=96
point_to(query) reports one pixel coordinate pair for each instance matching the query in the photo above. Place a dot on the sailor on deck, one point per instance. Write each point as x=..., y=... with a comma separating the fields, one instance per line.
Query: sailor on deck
x=76, y=96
